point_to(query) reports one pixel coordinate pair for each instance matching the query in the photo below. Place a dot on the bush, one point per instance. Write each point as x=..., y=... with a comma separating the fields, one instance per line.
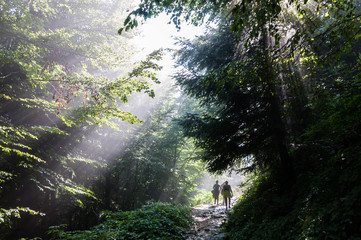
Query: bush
x=152, y=221
x=323, y=204
x=202, y=197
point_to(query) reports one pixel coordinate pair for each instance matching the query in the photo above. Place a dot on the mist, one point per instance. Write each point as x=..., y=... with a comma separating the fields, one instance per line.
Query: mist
x=87, y=115
x=103, y=135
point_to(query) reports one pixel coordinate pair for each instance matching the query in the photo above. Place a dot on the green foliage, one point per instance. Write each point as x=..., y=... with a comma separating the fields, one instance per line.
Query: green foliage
x=201, y=197
x=279, y=84
x=62, y=69
x=249, y=73
x=242, y=113
x=285, y=102
x=7, y=214
x=159, y=163
x=322, y=205
x=153, y=221
x=12, y=139
x=255, y=210
x=104, y=100
x=193, y=11
x=324, y=201
x=73, y=64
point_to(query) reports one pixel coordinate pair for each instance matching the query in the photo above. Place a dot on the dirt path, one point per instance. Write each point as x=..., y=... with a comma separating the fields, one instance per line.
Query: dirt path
x=208, y=218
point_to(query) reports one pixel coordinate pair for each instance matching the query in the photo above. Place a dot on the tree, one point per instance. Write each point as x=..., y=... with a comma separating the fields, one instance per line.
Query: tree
x=62, y=69
x=159, y=164
x=297, y=62
x=242, y=112
x=251, y=88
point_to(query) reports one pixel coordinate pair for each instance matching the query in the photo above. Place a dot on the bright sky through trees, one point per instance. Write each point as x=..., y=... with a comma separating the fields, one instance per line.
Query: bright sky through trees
x=158, y=33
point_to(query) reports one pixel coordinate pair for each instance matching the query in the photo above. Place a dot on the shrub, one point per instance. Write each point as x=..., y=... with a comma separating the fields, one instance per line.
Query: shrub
x=202, y=197
x=323, y=204
x=152, y=221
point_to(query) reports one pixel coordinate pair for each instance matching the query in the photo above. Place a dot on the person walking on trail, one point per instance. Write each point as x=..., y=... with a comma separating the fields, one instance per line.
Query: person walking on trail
x=215, y=192
x=222, y=192
x=227, y=194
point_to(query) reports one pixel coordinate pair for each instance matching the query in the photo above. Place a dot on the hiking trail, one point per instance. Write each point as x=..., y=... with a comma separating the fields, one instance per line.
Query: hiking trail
x=207, y=221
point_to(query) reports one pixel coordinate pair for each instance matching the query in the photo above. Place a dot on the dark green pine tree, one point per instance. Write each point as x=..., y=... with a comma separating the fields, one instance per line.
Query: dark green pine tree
x=243, y=119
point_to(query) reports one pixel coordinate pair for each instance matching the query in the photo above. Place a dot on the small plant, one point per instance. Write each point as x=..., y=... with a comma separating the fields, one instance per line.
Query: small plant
x=202, y=197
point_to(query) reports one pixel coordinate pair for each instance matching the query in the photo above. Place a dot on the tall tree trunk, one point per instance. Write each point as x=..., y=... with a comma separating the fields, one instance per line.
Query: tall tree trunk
x=279, y=135
x=107, y=190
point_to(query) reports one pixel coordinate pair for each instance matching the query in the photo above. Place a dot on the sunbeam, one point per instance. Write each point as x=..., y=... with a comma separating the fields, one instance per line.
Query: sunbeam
x=118, y=117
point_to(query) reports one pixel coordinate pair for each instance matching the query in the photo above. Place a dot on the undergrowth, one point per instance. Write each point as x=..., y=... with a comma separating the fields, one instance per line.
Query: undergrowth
x=323, y=204
x=202, y=197
x=152, y=221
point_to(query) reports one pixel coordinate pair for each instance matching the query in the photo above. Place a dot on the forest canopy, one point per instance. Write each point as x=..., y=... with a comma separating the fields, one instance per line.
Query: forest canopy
x=279, y=83
x=259, y=72
x=70, y=148
x=272, y=89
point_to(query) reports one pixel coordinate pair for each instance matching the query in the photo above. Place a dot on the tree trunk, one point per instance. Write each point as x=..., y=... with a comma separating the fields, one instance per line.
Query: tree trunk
x=285, y=166
x=107, y=190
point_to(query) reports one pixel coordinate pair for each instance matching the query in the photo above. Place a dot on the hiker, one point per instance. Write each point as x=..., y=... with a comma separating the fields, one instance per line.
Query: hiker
x=227, y=194
x=222, y=193
x=215, y=192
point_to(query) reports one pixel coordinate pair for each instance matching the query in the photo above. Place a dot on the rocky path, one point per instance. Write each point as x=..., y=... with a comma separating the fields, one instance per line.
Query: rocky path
x=208, y=218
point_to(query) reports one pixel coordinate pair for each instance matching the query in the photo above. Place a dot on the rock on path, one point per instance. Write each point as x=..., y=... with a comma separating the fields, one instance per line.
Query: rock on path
x=208, y=218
